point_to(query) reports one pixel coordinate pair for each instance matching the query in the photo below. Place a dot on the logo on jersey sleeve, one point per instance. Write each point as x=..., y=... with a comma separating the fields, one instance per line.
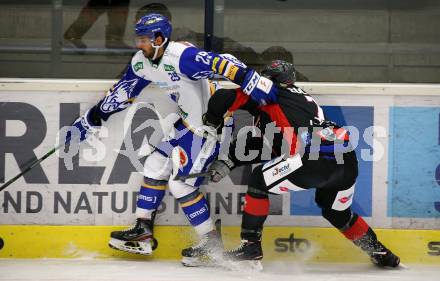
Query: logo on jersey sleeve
x=252, y=83
x=233, y=59
x=202, y=74
x=119, y=97
x=264, y=84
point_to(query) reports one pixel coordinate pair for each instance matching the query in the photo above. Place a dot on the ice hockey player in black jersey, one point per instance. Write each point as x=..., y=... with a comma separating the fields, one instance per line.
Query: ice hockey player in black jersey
x=307, y=151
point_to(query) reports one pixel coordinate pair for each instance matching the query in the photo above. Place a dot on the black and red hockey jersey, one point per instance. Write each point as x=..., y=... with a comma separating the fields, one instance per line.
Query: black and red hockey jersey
x=300, y=120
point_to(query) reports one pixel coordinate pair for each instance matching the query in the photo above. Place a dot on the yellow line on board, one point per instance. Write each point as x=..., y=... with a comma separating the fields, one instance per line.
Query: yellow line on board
x=279, y=243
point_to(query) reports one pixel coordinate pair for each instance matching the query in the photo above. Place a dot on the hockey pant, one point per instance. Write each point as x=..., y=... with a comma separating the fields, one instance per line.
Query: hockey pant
x=334, y=185
x=186, y=153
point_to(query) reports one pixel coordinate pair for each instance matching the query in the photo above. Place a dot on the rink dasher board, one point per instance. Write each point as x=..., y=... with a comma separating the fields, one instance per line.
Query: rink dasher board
x=305, y=244
x=107, y=195
x=73, y=218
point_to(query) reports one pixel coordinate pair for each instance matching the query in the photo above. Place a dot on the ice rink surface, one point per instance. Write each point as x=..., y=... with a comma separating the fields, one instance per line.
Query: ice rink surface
x=117, y=270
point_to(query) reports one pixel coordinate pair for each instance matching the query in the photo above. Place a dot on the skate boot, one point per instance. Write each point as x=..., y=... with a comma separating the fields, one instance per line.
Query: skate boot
x=378, y=253
x=137, y=240
x=206, y=253
x=248, y=255
x=385, y=258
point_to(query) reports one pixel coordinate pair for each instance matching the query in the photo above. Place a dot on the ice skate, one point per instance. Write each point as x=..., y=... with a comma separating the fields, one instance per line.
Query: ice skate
x=247, y=256
x=207, y=252
x=137, y=239
x=378, y=253
x=383, y=257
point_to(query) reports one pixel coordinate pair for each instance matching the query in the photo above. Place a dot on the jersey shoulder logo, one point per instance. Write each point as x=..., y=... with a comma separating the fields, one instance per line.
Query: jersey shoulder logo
x=139, y=65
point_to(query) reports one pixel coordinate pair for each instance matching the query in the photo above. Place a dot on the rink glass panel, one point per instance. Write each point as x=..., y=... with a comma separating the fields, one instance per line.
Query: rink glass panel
x=81, y=39
x=351, y=41
x=344, y=41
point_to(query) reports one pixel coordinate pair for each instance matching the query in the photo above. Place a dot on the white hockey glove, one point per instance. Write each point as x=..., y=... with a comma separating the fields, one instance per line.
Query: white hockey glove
x=82, y=128
x=220, y=169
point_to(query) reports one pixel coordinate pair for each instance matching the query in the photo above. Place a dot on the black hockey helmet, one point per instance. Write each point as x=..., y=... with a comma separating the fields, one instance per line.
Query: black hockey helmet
x=280, y=71
x=153, y=8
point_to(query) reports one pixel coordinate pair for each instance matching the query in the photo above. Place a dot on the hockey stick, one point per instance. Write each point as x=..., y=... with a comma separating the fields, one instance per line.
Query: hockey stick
x=190, y=176
x=35, y=163
x=31, y=165
x=218, y=228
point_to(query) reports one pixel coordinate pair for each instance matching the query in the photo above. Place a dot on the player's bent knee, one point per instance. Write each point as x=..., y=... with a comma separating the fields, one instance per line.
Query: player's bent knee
x=256, y=179
x=337, y=218
x=157, y=166
x=180, y=189
x=151, y=182
x=338, y=200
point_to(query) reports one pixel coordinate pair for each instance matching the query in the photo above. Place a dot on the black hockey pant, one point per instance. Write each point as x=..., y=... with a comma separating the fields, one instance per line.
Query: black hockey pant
x=334, y=185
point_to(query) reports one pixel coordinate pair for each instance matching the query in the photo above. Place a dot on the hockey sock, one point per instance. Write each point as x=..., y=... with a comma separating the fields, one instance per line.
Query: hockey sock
x=356, y=228
x=196, y=210
x=362, y=235
x=255, y=213
x=150, y=196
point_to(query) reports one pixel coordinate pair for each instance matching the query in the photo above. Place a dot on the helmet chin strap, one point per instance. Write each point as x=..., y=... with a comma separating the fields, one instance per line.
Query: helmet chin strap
x=156, y=48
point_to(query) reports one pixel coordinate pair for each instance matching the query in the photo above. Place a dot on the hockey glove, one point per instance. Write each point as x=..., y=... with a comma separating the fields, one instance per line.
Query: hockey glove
x=259, y=88
x=220, y=169
x=212, y=121
x=81, y=128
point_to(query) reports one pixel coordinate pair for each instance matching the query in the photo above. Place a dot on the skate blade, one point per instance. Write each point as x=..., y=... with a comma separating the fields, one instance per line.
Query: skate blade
x=134, y=247
x=198, y=262
x=243, y=266
x=402, y=266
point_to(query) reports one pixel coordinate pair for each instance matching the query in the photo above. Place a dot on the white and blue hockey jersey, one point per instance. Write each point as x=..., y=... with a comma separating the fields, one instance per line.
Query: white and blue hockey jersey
x=182, y=73
x=189, y=93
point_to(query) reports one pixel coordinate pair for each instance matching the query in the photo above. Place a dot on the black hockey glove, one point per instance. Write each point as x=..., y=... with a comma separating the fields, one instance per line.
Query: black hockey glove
x=220, y=169
x=211, y=121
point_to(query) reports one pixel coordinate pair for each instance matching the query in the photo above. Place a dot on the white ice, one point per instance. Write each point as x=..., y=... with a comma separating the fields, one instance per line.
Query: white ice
x=124, y=270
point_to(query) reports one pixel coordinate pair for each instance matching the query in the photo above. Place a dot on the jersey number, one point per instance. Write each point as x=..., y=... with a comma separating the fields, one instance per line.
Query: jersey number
x=173, y=75
x=203, y=57
x=320, y=112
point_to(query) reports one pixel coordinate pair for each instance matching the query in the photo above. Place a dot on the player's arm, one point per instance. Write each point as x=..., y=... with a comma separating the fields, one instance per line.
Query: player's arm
x=220, y=168
x=118, y=97
x=226, y=101
x=198, y=64
x=223, y=102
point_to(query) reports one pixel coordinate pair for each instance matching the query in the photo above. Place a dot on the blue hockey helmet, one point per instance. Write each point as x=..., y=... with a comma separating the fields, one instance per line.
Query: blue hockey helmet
x=151, y=24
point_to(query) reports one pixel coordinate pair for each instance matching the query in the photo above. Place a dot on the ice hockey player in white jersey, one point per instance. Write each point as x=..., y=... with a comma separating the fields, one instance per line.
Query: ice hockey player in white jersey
x=182, y=70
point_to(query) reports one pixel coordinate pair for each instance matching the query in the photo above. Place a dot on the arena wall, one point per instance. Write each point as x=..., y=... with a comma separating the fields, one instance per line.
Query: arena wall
x=62, y=213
